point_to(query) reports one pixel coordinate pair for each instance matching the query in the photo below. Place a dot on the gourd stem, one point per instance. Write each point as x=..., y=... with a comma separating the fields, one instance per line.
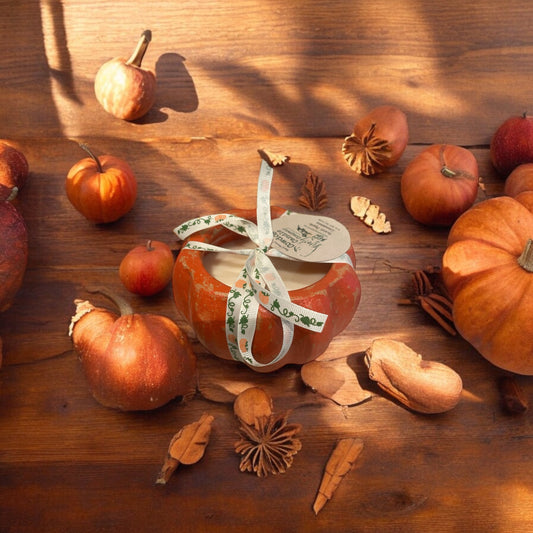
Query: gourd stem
x=123, y=306
x=526, y=257
x=93, y=157
x=447, y=172
x=138, y=54
x=12, y=194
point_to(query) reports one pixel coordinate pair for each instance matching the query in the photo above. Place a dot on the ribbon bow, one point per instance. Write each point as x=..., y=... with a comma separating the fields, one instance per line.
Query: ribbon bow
x=258, y=283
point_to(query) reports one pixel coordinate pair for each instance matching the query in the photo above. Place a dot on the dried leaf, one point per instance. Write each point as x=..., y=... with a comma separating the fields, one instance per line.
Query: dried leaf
x=272, y=158
x=339, y=464
x=370, y=214
x=186, y=447
x=314, y=196
x=335, y=380
x=251, y=405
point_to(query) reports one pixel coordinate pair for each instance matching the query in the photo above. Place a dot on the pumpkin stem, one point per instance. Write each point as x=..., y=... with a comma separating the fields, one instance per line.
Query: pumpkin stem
x=526, y=257
x=138, y=54
x=85, y=147
x=447, y=172
x=123, y=306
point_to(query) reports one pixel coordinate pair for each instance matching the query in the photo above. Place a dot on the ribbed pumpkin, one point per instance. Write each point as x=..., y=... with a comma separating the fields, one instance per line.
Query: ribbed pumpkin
x=488, y=271
x=202, y=300
x=102, y=189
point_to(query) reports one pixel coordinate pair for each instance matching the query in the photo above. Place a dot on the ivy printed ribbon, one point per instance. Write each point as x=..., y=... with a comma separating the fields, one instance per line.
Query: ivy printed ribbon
x=258, y=283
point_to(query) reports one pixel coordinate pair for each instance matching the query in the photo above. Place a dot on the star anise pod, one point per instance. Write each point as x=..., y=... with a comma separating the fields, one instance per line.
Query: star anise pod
x=366, y=153
x=269, y=446
x=314, y=196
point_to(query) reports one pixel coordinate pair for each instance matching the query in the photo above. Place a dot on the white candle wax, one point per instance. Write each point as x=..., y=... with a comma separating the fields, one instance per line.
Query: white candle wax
x=225, y=266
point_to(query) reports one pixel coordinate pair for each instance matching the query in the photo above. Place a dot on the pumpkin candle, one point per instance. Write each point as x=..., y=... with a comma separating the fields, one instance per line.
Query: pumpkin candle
x=225, y=266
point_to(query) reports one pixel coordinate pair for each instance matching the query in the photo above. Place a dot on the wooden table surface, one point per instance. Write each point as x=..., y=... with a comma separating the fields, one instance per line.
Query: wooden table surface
x=291, y=77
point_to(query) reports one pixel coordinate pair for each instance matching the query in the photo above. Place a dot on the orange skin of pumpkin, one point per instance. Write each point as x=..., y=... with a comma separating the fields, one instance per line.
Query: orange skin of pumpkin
x=101, y=197
x=13, y=250
x=519, y=180
x=492, y=294
x=429, y=196
x=133, y=362
x=124, y=90
x=202, y=301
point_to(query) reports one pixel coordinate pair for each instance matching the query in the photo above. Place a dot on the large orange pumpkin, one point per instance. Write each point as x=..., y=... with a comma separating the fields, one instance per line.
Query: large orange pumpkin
x=488, y=271
x=202, y=300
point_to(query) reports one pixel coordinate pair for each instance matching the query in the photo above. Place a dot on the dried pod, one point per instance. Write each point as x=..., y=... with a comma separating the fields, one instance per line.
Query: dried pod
x=423, y=386
x=269, y=447
x=251, y=404
x=133, y=361
x=378, y=140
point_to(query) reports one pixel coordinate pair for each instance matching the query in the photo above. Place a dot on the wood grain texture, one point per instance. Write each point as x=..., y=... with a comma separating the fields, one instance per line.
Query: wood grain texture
x=235, y=77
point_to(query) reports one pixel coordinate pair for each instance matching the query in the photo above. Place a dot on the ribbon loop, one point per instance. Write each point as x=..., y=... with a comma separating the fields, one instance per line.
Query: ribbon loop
x=259, y=282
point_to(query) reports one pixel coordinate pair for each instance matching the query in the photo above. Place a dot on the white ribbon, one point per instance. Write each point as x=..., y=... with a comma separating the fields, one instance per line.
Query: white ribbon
x=258, y=283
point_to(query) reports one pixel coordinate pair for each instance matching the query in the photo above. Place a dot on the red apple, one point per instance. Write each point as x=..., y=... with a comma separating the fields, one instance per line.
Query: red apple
x=14, y=167
x=147, y=269
x=512, y=144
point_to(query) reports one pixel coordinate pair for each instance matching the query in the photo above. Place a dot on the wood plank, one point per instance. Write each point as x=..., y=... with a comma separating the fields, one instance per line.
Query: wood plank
x=245, y=70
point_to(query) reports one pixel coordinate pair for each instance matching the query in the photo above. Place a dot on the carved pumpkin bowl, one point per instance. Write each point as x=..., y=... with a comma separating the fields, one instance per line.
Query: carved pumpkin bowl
x=201, y=299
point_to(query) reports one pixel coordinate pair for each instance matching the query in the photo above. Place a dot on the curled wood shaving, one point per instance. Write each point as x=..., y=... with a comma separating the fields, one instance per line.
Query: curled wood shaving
x=186, y=447
x=335, y=380
x=272, y=158
x=313, y=193
x=340, y=462
x=370, y=214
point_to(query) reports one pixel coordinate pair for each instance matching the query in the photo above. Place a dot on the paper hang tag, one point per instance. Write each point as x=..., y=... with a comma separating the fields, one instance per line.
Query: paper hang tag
x=310, y=237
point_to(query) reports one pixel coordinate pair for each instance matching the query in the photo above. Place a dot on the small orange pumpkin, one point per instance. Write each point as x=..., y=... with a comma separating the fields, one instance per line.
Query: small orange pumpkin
x=440, y=184
x=201, y=299
x=102, y=189
x=488, y=271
